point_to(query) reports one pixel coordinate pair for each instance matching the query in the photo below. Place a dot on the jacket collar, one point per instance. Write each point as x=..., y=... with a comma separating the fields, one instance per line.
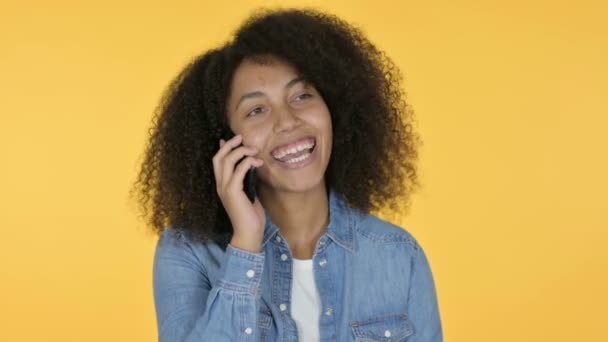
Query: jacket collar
x=341, y=227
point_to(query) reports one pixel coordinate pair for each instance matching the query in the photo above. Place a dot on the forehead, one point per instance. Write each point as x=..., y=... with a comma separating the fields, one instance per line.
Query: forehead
x=251, y=75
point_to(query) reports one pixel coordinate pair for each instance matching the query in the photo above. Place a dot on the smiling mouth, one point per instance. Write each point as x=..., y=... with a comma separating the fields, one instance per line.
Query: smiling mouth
x=296, y=154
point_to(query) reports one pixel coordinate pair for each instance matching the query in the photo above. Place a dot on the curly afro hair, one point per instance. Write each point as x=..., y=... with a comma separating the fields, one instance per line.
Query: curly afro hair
x=374, y=155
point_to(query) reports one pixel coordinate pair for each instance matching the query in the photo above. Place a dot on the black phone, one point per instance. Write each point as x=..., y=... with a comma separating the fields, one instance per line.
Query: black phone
x=250, y=177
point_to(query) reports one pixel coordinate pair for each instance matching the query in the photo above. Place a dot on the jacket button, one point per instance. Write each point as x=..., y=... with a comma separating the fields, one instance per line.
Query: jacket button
x=250, y=273
x=387, y=333
x=282, y=307
x=278, y=238
x=283, y=257
x=328, y=311
x=323, y=262
x=248, y=331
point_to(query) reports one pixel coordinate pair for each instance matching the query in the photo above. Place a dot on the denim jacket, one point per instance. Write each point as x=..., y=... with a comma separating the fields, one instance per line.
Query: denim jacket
x=373, y=278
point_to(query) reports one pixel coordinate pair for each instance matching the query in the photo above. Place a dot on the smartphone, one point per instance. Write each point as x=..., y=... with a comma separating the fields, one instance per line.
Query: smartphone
x=250, y=177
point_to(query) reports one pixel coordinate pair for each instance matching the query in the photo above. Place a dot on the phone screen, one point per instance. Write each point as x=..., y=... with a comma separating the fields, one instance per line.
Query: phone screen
x=250, y=177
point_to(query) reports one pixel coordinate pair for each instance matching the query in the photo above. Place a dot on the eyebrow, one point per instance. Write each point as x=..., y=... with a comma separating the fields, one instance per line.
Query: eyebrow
x=259, y=93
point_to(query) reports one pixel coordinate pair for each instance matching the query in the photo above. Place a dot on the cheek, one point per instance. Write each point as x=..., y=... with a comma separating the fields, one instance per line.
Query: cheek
x=324, y=122
x=329, y=133
x=255, y=137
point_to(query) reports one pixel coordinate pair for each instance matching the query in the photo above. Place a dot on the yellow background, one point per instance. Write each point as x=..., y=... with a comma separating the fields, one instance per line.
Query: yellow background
x=511, y=103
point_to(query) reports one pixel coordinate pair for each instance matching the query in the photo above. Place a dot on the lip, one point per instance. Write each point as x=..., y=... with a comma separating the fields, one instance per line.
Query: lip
x=292, y=144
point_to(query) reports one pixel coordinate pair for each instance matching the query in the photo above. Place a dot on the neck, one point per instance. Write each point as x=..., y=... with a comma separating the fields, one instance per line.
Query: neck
x=302, y=217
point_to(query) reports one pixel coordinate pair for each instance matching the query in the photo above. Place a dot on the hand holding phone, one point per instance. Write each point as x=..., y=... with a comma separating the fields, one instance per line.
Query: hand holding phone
x=231, y=164
x=249, y=182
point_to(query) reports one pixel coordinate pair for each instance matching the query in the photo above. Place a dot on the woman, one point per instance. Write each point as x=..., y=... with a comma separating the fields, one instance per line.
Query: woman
x=318, y=112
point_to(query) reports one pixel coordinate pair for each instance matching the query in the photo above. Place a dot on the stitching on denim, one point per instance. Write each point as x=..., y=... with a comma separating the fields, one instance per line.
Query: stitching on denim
x=392, y=238
x=226, y=285
x=245, y=255
x=383, y=239
x=264, y=319
x=401, y=320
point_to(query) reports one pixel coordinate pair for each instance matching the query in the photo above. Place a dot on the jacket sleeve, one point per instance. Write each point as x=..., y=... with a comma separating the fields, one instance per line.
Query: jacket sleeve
x=189, y=309
x=423, y=305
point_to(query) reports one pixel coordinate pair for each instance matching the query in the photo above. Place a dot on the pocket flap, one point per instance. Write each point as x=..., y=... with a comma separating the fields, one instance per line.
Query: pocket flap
x=393, y=327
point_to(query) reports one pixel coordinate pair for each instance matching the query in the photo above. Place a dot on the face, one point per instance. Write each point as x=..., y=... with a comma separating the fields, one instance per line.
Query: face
x=286, y=119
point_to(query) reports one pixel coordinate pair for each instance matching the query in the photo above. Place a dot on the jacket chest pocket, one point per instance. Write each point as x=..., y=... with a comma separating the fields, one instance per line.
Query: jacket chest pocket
x=393, y=327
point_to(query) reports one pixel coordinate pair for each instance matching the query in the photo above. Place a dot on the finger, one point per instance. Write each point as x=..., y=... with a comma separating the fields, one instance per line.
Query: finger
x=228, y=145
x=239, y=173
x=217, y=171
x=238, y=153
x=219, y=155
x=230, y=161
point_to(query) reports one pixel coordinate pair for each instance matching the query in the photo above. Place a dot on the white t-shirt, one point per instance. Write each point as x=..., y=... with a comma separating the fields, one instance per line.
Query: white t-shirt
x=305, y=301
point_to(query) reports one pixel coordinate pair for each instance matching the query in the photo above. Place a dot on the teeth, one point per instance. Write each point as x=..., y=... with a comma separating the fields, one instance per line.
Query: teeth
x=299, y=159
x=293, y=150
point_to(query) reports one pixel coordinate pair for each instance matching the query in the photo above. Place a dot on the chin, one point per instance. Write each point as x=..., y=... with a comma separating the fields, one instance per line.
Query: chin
x=283, y=183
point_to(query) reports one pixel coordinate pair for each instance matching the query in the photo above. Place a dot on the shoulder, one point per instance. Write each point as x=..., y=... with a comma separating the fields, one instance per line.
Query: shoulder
x=377, y=231
x=179, y=249
x=172, y=238
x=173, y=242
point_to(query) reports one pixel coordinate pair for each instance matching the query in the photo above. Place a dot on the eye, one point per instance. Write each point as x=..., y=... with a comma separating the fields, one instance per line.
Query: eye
x=303, y=96
x=255, y=111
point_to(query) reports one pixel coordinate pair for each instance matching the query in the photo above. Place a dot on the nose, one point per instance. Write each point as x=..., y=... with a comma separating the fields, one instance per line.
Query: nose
x=285, y=120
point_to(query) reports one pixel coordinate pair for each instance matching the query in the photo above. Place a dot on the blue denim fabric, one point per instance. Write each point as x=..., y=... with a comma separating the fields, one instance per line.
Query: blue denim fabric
x=373, y=278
